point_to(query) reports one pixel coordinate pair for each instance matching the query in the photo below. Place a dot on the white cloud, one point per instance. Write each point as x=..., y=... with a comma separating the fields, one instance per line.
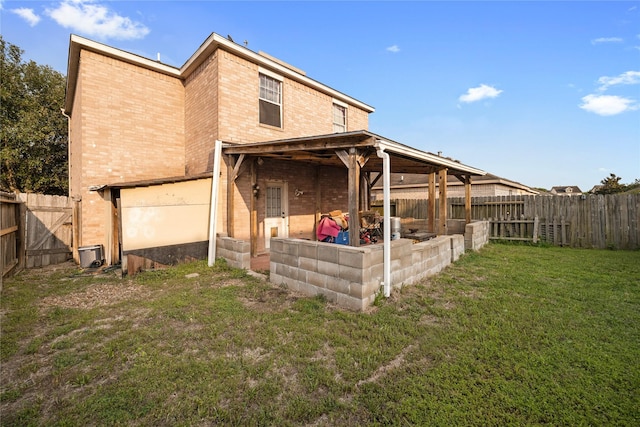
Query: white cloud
x=607, y=105
x=626, y=78
x=28, y=15
x=91, y=18
x=607, y=40
x=393, y=49
x=479, y=93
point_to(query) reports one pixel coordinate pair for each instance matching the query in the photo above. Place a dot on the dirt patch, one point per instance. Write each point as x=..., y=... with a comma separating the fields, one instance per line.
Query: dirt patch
x=97, y=296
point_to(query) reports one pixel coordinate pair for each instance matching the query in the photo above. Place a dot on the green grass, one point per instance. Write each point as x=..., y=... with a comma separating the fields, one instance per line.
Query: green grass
x=512, y=335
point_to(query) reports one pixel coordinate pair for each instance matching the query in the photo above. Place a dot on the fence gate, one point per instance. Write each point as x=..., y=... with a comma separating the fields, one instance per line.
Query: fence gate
x=48, y=225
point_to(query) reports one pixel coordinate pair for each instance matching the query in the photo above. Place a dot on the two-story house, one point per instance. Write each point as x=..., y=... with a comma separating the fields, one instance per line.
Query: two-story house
x=155, y=150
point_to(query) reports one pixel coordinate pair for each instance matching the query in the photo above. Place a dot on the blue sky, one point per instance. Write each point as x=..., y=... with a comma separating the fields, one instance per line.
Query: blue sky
x=544, y=93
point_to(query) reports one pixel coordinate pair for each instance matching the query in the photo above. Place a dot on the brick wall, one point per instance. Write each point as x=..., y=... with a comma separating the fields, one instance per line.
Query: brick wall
x=128, y=126
x=201, y=116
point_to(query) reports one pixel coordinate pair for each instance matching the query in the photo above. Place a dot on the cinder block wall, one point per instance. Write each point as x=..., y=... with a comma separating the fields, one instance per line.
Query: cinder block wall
x=476, y=235
x=130, y=127
x=237, y=252
x=351, y=276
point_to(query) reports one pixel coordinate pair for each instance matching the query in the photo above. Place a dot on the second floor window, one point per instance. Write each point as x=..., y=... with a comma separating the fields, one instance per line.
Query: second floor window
x=339, y=118
x=270, y=101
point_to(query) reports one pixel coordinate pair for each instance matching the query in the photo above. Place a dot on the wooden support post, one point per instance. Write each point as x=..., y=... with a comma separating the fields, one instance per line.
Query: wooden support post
x=318, y=203
x=253, y=219
x=431, y=202
x=354, y=198
x=231, y=189
x=467, y=199
x=442, y=187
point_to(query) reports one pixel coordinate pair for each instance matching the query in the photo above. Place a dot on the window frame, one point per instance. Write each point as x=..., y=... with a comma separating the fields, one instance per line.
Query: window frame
x=337, y=105
x=267, y=100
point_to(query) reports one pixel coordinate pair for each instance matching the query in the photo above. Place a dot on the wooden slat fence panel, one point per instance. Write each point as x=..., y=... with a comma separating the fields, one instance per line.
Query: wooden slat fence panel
x=48, y=229
x=10, y=235
x=589, y=221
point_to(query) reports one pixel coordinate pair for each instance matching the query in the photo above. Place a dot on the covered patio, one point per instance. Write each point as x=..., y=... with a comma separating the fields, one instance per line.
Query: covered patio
x=368, y=158
x=353, y=270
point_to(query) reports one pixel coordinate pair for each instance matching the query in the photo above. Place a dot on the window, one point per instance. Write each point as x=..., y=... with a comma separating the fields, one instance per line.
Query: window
x=270, y=101
x=339, y=118
x=274, y=202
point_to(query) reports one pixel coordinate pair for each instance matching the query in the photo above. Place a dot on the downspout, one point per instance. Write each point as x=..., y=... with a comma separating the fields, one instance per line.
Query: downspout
x=213, y=213
x=386, y=224
x=75, y=227
x=68, y=147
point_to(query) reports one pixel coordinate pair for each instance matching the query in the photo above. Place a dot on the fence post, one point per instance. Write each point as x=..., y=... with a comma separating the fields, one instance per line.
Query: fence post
x=536, y=224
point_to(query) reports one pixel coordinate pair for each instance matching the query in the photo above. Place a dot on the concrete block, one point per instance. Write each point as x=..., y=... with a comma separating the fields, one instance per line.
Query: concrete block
x=290, y=247
x=331, y=296
x=308, y=250
x=350, y=274
x=316, y=279
x=290, y=259
x=375, y=254
x=276, y=244
x=309, y=264
x=277, y=257
x=338, y=285
x=351, y=303
x=308, y=289
x=350, y=257
x=274, y=278
x=328, y=268
x=328, y=252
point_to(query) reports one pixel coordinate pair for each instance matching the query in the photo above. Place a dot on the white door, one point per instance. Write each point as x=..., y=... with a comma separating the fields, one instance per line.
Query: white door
x=276, y=220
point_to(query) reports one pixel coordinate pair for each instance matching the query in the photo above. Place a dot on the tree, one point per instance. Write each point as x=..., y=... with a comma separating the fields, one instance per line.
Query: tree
x=33, y=131
x=611, y=185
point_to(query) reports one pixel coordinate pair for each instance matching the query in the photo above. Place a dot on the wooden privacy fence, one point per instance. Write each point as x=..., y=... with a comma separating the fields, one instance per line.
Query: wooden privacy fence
x=36, y=230
x=589, y=221
x=11, y=240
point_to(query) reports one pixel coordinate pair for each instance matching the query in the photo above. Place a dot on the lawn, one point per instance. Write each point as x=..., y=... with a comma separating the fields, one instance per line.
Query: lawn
x=512, y=335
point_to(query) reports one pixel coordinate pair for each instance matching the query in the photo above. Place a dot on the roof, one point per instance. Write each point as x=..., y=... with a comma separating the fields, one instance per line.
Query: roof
x=567, y=189
x=331, y=149
x=150, y=182
x=210, y=45
x=412, y=180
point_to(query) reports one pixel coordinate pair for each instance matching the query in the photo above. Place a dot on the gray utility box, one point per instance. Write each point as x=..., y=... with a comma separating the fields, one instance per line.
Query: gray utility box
x=90, y=256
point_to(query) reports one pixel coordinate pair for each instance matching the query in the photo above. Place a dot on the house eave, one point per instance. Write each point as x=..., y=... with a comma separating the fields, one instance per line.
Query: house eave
x=210, y=45
x=78, y=43
x=216, y=41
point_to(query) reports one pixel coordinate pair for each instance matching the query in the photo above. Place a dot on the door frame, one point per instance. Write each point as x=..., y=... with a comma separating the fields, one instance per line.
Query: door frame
x=283, y=221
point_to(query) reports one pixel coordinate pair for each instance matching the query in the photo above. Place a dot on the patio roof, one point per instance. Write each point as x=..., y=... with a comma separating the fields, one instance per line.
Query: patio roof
x=331, y=150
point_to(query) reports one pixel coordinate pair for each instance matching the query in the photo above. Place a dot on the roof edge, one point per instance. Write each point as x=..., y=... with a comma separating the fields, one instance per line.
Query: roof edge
x=78, y=43
x=210, y=45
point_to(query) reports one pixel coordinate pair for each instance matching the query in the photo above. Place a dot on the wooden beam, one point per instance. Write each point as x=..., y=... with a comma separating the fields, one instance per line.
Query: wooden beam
x=231, y=188
x=442, y=187
x=236, y=168
x=318, y=203
x=354, y=198
x=431, y=202
x=253, y=220
x=467, y=199
x=344, y=156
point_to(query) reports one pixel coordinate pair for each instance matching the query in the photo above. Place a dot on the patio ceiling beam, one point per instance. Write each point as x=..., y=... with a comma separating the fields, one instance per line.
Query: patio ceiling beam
x=236, y=168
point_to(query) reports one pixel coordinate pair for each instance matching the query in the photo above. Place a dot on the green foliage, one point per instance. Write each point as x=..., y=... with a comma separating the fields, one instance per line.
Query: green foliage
x=612, y=185
x=33, y=131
